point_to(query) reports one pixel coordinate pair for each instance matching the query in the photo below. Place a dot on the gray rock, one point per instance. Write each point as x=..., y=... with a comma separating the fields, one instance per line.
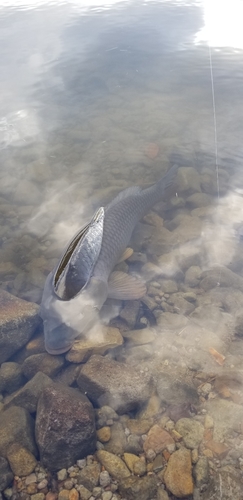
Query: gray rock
x=89, y=476
x=130, y=312
x=104, y=479
x=103, y=414
x=191, y=430
x=19, y=319
x=188, y=181
x=6, y=475
x=134, y=444
x=181, y=305
x=44, y=362
x=172, y=390
x=27, y=397
x=197, y=200
x=201, y=472
x=65, y=427
x=193, y=275
x=68, y=375
x=226, y=484
x=226, y=416
x=135, y=488
x=168, y=286
x=118, y=441
x=227, y=278
x=16, y=426
x=108, y=382
x=11, y=377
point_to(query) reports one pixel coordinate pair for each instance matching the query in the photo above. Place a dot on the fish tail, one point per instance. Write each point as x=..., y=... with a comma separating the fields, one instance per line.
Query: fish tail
x=168, y=178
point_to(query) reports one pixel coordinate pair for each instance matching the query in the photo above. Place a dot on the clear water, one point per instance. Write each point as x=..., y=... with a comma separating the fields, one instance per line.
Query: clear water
x=85, y=89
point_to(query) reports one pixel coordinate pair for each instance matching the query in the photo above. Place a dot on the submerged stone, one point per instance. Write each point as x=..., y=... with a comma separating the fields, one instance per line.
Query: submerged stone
x=108, y=382
x=178, y=475
x=65, y=427
x=97, y=343
x=113, y=464
x=6, y=476
x=19, y=319
x=11, y=377
x=22, y=461
x=135, y=488
x=27, y=396
x=44, y=362
x=16, y=426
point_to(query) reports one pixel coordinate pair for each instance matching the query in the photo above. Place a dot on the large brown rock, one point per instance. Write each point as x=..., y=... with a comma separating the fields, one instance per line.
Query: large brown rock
x=16, y=426
x=178, y=475
x=65, y=427
x=18, y=321
x=108, y=382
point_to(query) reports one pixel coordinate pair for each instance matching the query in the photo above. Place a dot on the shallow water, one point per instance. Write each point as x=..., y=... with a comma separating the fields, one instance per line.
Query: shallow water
x=98, y=97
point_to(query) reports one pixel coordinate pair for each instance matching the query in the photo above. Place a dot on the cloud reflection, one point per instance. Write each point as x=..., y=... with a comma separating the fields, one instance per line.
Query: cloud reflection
x=222, y=24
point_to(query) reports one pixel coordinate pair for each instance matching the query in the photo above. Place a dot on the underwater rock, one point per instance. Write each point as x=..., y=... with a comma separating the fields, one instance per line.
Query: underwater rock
x=27, y=397
x=68, y=375
x=158, y=439
x=6, y=476
x=172, y=390
x=193, y=276
x=178, y=475
x=65, y=427
x=19, y=319
x=191, y=431
x=11, y=377
x=197, y=200
x=22, y=461
x=118, y=441
x=16, y=426
x=135, y=488
x=227, y=278
x=44, y=362
x=227, y=416
x=113, y=464
x=225, y=484
x=89, y=476
x=96, y=343
x=108, y=382
x=130, y=312
x=139, y=337
x=201, y=472
x=188, y=181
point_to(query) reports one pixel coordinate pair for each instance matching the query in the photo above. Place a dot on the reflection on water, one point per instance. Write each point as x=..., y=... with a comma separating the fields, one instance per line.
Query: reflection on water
x=98, y=98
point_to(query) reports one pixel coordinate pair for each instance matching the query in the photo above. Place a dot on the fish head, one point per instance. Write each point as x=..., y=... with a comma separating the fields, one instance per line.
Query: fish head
x=66, y=320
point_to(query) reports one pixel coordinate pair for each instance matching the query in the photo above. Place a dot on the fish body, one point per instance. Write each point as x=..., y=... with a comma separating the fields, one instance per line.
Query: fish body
x=81, y=282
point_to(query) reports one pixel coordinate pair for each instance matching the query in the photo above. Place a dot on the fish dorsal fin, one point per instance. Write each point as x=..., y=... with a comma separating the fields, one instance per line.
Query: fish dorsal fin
x=125, y=287
x=126, y=254
x=80, y=256
x=130, y=191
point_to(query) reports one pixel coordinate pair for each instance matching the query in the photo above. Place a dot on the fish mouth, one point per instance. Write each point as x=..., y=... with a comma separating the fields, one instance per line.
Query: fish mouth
x=60, y=350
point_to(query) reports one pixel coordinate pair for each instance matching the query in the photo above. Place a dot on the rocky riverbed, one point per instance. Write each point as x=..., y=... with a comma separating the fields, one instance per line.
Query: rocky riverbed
x=151, y=406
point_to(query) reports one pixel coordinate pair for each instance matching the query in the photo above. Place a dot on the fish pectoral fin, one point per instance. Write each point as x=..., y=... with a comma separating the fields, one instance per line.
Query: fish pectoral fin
x=126, y=254
x=125, y=287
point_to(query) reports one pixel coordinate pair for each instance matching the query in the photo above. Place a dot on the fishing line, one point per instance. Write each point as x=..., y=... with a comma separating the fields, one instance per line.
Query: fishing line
x=215, y=131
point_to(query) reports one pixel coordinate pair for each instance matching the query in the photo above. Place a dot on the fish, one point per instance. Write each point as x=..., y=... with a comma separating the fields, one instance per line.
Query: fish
x=82, y=280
